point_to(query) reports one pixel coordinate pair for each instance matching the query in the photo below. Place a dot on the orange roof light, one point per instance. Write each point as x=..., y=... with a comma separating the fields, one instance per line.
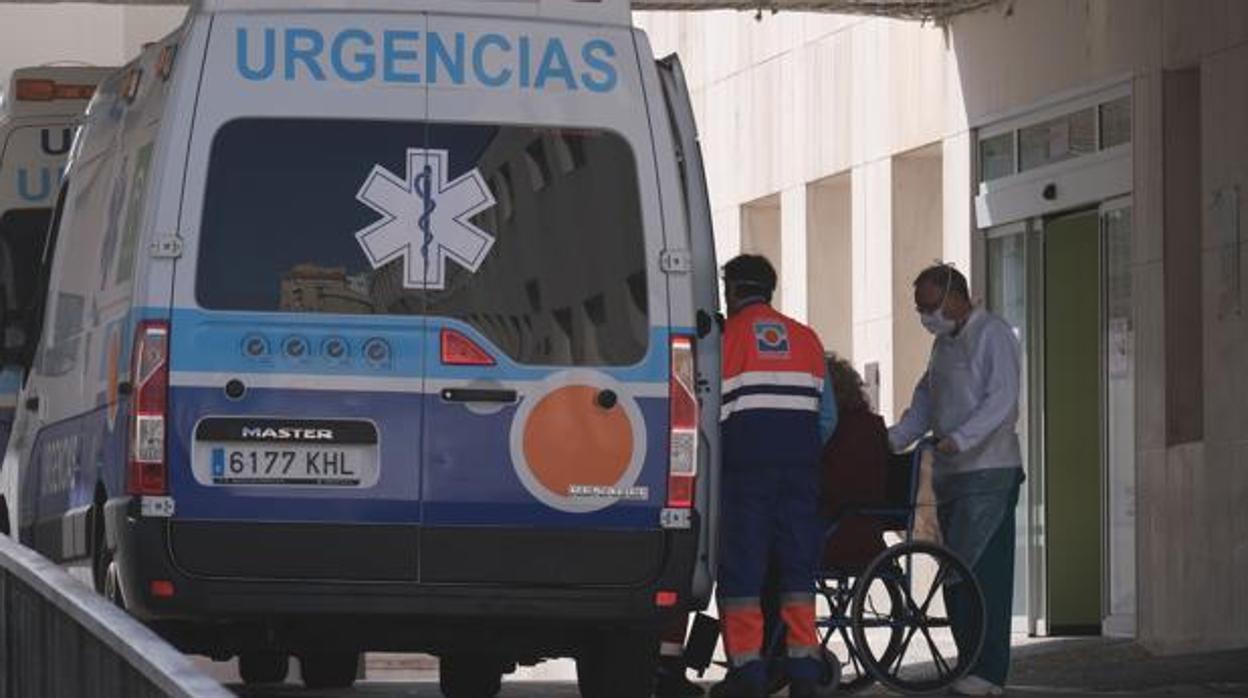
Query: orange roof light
x=37, y=90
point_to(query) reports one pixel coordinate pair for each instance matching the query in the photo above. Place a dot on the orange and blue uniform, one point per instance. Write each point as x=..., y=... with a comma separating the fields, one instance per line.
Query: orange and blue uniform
x=777, y=411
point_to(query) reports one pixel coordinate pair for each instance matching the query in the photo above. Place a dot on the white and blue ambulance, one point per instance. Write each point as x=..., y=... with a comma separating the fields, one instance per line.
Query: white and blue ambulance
x=383, y=325
x=38, y=115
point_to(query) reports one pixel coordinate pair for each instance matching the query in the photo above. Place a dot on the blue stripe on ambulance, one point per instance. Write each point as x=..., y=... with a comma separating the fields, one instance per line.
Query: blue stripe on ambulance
x=480, y=488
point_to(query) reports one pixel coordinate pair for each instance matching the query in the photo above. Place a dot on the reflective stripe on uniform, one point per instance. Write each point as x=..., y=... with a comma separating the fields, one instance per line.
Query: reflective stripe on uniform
x=743, y=629
x=790, y=378
x=798, y=613
x=766, y=401
x=671, y=649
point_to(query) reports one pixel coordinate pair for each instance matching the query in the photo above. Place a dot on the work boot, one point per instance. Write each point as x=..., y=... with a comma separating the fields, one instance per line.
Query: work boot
x=803, y=688
x=672, y=682
x=735, y=685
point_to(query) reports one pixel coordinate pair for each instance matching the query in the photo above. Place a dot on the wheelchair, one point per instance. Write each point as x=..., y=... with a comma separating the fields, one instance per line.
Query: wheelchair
x=886, y=622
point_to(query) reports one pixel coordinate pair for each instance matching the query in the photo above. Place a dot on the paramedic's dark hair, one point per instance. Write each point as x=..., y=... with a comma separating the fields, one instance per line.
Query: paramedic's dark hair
x=752, y=271
x=944, y=276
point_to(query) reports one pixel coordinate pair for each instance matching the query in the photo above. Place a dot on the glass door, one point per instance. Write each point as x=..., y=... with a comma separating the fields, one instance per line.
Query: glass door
x=1009, y=292
x=1118, y=338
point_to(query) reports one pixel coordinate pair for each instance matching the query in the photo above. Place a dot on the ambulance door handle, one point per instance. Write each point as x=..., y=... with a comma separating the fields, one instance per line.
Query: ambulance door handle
x=479, y=395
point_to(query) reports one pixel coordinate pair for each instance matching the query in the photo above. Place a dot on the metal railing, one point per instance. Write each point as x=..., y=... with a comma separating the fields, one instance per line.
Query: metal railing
x=59, y=639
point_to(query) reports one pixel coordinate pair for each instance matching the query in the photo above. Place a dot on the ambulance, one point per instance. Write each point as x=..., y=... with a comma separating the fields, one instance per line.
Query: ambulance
x=38, y=115
x=383, y=325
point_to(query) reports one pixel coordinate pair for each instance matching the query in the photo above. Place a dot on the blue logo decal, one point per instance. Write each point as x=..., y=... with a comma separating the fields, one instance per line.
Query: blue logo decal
x=772, y=339
x=413, y=57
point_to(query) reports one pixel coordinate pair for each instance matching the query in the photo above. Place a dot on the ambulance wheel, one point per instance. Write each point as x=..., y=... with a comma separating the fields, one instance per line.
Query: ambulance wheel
x=263, y=667
x=329, y=669
x=112, y=583
x=618, y=663
x=469, y=676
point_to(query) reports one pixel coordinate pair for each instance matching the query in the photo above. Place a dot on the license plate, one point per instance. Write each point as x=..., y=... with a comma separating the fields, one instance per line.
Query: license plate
x=241, y=465
x=275, y=452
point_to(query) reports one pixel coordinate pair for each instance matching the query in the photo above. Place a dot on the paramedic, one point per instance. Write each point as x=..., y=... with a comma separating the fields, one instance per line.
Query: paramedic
x=968, y=400
x=777, y=412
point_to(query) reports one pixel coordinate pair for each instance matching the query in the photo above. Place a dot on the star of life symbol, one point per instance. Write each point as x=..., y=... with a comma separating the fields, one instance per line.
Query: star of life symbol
x=425, y=219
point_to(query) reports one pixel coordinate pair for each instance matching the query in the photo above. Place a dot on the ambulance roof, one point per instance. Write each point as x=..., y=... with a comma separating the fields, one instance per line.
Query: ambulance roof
x=62, y=90
x=614, y=12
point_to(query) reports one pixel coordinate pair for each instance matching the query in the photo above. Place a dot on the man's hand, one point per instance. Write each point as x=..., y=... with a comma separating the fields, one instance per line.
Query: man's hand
x=948, y=447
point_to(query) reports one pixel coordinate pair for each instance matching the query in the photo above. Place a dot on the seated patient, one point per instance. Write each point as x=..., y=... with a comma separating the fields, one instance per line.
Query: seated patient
x=854, y=469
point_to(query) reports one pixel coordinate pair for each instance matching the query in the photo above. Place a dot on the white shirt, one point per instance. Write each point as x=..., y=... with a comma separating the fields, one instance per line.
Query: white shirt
x=970, y=394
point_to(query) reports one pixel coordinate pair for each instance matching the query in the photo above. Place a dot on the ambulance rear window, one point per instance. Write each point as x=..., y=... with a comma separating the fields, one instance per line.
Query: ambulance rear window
x=531, y=235
x=22, y=235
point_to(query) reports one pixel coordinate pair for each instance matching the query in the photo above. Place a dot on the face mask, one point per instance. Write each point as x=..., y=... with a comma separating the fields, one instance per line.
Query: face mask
x=937, y=323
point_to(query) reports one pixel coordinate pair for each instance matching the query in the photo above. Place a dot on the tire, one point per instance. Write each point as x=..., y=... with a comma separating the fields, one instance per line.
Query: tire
x=329, y=669
x=112, y=582
x=855, y=675
x=923, y=627
x=618, y=663
x=100, y=557
x=263, y=667
x=470, y=676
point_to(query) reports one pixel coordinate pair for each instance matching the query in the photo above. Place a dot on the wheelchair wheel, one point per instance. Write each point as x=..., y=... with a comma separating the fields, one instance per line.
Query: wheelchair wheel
x=901, y=628
x=854, y=675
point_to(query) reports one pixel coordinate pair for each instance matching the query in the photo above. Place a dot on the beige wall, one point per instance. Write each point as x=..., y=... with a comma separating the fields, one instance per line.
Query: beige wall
x=92, y=34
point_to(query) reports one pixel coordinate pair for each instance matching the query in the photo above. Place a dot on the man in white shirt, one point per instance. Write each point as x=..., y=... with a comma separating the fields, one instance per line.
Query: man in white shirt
x=968, y=401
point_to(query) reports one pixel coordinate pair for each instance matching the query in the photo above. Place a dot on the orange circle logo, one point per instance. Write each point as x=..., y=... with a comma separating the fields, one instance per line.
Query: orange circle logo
x=569, y=440
x=571, y=452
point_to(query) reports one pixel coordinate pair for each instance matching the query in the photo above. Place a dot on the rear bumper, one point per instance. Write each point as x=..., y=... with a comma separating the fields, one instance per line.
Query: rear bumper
x=224, y=614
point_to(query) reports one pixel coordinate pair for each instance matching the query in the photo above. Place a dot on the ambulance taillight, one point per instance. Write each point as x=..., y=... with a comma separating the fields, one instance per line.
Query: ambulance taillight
x=149, y=400
x=40, y=90
x=683, y=437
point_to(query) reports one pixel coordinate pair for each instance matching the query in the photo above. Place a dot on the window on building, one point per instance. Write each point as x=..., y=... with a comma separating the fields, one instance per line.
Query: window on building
x=1116, y=122
x=1081, y=132
x=996, y=157
x=1056, y=140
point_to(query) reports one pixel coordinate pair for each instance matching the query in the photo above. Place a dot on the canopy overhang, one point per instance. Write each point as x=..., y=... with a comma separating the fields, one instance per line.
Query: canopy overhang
x=923, y=10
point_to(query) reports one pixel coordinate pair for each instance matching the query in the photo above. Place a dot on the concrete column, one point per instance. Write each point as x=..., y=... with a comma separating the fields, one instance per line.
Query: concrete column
x=727, y=223
x=793, y=252
x=958, y=194
x=829, y=262
x=917, y=240
x=873, y=274
x=761, y=234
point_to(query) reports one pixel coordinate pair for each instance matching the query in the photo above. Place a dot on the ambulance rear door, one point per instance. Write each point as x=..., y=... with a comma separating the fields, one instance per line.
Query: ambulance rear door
x=546, y=415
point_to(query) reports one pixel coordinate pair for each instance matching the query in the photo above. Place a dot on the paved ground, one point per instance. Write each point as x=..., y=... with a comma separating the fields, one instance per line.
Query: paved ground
x=1041, y=667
